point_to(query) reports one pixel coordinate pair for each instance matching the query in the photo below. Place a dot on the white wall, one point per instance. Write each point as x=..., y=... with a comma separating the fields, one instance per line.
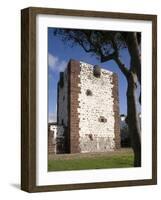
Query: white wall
x=10, y=98
x=90, y=110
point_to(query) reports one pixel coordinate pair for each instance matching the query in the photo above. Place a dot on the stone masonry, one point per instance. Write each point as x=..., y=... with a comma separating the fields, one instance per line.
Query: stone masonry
x=88, y=109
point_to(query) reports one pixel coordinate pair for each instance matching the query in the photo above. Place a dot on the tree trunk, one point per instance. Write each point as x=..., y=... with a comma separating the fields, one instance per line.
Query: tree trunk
x=135, y=54
x=133, y=118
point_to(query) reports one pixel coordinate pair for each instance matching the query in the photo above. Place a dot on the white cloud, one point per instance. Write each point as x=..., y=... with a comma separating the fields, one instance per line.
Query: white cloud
x=55, y=64
x=52, y=117
x=52, y=61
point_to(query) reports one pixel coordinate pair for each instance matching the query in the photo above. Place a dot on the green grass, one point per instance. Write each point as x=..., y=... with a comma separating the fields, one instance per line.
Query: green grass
x=119, y=160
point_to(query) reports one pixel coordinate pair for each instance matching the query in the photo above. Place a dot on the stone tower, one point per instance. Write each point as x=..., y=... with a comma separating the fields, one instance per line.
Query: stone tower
x=88, y=109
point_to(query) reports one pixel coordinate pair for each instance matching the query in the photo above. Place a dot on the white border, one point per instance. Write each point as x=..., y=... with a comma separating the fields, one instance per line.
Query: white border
x=43, y=177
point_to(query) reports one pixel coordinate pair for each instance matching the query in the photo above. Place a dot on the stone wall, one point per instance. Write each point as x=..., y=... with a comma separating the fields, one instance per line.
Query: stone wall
x=88, y=108
x=51, y=139
x=51, y=143
x=55, y=138
x=116, y=111
x=96, y=110
x=74, y=90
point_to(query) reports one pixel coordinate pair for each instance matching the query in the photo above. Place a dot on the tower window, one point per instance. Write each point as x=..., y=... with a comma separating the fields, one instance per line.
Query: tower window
x=89, y=93
x=102, y=119
x=90, y=137
x=97, y=71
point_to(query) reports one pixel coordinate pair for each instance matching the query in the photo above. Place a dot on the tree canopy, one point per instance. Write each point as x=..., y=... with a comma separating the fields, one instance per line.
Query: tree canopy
x=105, y=45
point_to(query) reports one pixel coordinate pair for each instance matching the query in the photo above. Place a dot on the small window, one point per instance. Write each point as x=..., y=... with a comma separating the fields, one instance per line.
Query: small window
x=89, y=93
x=102, y=119
x=90, y=137
x=63, y=98
x=97, y=71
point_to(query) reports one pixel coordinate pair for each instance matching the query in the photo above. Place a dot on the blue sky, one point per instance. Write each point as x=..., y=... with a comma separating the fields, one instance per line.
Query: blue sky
x=58, y=56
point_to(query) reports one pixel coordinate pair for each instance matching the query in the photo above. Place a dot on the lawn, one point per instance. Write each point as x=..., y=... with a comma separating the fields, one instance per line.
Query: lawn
x=117, y=159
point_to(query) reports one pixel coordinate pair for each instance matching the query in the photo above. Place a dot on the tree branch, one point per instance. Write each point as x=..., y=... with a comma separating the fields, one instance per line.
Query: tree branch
x=96, y=47
x=108, y=57
x=83, y=46
x=115, y=57
x=93, y=47
x=122, y=67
